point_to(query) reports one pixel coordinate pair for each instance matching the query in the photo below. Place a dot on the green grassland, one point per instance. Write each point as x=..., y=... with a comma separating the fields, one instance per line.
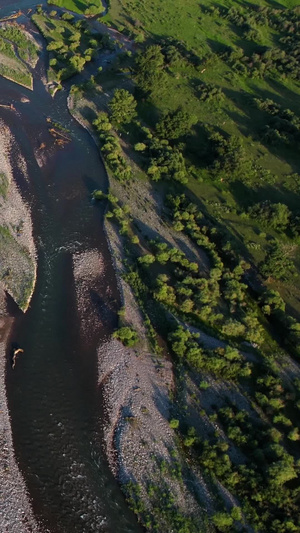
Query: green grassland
x=83, y=7
x=26, y=47
x=18, y=52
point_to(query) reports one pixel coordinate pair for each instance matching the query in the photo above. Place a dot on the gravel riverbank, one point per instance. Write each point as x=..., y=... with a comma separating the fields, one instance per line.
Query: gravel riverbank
x=17, y=253
x=135, y=383
x=15, y=509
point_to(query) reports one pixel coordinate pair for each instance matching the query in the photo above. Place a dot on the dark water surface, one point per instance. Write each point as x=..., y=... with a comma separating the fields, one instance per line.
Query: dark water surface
x=52, y=393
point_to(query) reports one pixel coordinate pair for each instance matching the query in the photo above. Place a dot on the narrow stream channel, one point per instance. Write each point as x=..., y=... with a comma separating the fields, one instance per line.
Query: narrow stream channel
x=52, y=393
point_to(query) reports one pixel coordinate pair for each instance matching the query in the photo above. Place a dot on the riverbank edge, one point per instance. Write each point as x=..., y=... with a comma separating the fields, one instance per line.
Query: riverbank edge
x=16, y=515
x=86, y=126
x=136, y=386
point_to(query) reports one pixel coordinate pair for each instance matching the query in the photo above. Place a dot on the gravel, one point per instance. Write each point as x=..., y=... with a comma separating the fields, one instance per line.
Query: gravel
x=16, y=515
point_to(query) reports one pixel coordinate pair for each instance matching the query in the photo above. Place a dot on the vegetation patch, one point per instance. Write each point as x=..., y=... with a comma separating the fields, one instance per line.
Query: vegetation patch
x=71, y=44
x=206, y=113
x=89, y=8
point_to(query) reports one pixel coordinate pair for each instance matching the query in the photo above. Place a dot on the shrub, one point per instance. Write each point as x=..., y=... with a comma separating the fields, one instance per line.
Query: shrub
x=174, y=423
x=127, y=335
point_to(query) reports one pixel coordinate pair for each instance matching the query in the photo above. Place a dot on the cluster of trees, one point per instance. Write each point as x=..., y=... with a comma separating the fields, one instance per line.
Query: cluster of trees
x=260, y=478
x=163, y=517
x=27, y=49
x=278, y=263
x=229, y=158
x=273, y=306
x=260, y=483
x=263, y=63
x=177, y=55
x=210, y=92
x=266, y=61
x=225, y=276
x=150, y=65
x=111, y=148
x=166, y=161
x=175, y=124
x=93, y=7
x=162, y=159
x=71, y=43
x=283, y=126
x=225, y=363
x=275, y=216
x=164, y=154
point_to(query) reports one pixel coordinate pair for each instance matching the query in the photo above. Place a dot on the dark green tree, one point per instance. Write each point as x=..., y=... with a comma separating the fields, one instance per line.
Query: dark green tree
x=149, y=69
x=175, y=124
x=122, y=107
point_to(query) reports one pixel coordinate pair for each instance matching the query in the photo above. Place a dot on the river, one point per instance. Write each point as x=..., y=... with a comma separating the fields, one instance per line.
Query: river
x=54, y=402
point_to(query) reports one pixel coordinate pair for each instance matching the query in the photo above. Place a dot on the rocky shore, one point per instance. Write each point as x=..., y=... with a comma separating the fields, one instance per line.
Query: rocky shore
x=135, y=383
x=15, y=509
x=18, y=263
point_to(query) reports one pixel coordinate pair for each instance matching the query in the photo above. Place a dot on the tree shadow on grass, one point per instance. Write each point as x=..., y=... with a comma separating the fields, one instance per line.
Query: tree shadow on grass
x=252, y=121
x=227, y=234
x=246, y=196
x=217, y=47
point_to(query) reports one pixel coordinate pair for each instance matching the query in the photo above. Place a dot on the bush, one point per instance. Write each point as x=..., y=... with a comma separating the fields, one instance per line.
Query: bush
x=223, y=521
x=174, y=423
x=127, y=335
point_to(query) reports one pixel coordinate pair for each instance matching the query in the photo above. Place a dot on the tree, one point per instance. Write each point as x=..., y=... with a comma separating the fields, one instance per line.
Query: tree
x=102, y=123
x=77, y=63
x=174, y=423
x=122, y=107
x=149, y=69
x=233, y=328
x=146, y=259
x=140, y=147
x=272, y=302
x=277, y=264
x=223, y=521
x=282, y=471
x=276, y=216
x=175, y=124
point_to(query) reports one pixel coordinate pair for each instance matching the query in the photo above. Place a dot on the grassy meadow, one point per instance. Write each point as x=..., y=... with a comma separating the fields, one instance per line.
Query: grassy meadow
x=82, y=7
x=204, y=34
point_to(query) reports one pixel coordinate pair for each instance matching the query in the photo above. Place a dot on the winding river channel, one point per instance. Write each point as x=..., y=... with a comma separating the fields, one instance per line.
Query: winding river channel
x=54, y=402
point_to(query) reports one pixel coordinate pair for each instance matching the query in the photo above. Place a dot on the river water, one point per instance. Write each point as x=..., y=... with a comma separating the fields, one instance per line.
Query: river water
x=53, y=398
